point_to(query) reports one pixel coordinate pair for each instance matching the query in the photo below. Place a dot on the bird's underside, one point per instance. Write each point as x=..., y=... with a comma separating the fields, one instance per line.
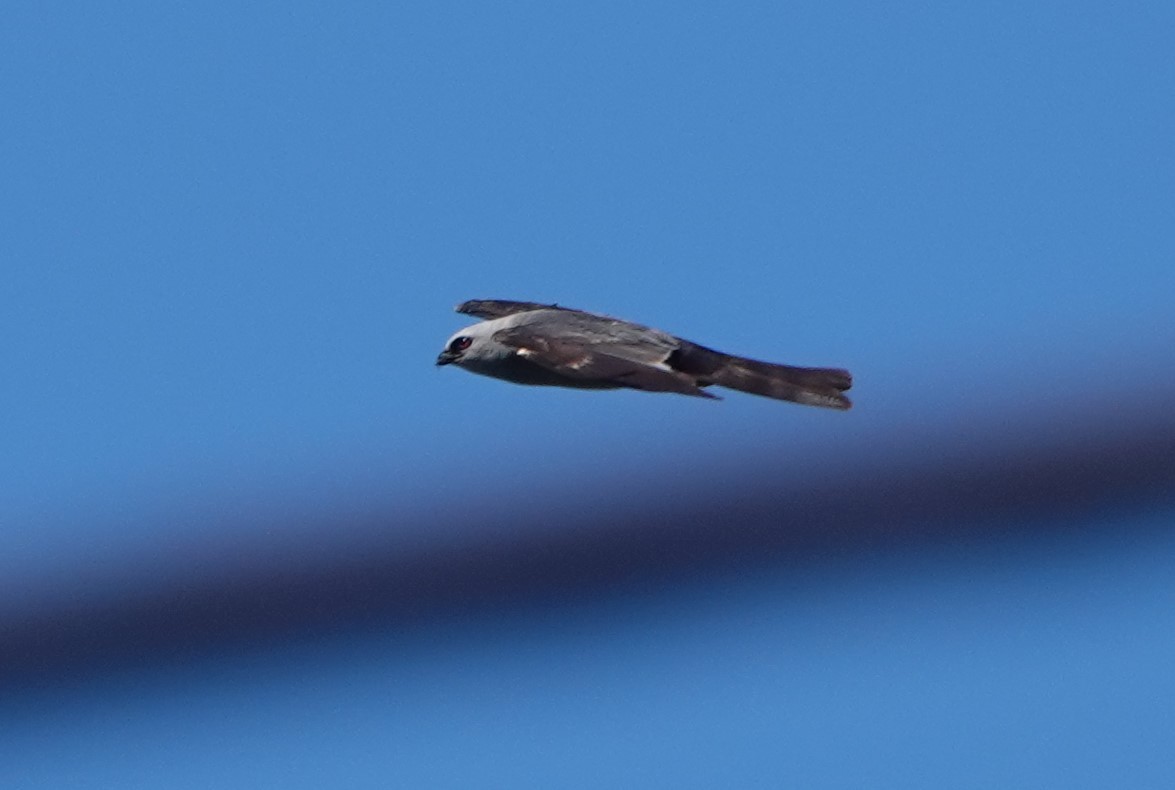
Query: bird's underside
x=560, y=346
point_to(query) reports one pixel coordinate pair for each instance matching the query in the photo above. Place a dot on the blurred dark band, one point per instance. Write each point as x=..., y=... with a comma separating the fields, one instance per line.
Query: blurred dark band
x=1018, y=483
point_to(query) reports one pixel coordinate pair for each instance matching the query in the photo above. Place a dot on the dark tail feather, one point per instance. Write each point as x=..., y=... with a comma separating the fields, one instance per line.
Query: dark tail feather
x=810, y=386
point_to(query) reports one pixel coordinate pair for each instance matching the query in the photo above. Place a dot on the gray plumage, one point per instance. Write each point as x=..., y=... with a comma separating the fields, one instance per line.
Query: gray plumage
x=539, y=344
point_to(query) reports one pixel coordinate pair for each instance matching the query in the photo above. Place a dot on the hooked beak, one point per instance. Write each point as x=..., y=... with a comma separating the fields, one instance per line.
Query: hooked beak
x=447, y=357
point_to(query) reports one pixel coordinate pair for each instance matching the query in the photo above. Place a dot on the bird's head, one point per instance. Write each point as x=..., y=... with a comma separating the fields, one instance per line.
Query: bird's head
x=471, y=344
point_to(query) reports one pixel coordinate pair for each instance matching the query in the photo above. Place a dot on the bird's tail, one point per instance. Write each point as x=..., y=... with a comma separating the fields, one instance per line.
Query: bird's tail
x=811, y=386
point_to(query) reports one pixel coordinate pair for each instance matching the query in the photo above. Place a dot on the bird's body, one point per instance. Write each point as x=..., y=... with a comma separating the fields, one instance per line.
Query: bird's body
x=531, y=343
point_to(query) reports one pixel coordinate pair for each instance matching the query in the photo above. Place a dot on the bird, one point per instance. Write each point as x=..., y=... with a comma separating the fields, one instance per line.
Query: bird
x=551, y=345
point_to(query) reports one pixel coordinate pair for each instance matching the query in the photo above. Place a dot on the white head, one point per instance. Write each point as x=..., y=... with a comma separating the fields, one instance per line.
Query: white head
x=473, y=345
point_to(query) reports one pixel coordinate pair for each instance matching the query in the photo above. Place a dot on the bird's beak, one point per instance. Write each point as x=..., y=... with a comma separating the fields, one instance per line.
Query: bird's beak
x=446, y=357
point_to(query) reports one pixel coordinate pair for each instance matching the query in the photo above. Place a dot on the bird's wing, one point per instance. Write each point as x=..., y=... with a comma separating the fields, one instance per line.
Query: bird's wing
x=489, y=309
x=575, y=356
x=606, y=335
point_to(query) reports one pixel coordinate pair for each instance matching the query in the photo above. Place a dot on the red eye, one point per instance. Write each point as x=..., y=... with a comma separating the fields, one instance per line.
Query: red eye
x=460, y=343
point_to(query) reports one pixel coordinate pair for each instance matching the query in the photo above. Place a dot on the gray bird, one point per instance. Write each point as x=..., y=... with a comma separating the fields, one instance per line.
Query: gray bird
x=545, y=344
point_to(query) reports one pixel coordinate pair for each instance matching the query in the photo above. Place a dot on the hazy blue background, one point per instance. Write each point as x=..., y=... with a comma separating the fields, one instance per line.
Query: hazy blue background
x=231, y=239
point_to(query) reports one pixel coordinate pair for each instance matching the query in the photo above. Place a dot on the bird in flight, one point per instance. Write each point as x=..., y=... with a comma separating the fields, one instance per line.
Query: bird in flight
x=545, y=344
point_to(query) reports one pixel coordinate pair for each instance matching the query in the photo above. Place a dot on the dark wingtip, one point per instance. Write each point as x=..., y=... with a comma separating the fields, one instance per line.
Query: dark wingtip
x=497, y=308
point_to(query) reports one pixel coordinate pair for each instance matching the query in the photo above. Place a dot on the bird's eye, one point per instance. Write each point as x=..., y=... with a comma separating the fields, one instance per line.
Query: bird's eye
x=460, y=343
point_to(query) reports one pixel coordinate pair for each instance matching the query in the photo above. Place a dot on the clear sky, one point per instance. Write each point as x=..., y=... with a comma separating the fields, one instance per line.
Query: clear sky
x=231, y=238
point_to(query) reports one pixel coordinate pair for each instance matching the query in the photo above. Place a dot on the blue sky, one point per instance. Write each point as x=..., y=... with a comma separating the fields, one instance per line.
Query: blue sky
x=233, y=236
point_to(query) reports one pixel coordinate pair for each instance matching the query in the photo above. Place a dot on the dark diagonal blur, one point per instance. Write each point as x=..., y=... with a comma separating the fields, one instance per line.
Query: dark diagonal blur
x=914, y=494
